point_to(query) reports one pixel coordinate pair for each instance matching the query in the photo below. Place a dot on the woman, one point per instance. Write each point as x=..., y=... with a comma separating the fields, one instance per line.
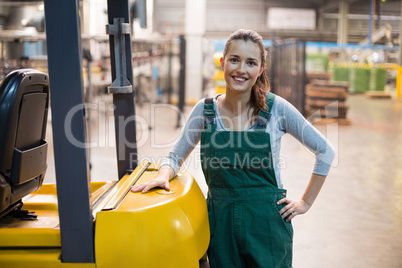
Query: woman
x=240, y=132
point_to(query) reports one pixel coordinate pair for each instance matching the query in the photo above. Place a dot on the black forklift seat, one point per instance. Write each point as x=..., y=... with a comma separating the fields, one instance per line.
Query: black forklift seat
x=24, y=102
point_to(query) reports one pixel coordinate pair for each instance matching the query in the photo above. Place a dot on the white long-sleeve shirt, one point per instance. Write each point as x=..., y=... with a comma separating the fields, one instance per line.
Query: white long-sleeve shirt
x=285, y=118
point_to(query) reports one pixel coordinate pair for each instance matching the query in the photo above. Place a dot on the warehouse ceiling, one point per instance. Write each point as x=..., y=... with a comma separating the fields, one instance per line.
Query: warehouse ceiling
x=326, y=5
x=222, y=19
x=322, y=5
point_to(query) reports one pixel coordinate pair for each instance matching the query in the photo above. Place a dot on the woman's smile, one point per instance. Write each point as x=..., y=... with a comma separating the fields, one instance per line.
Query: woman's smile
x=239, y=79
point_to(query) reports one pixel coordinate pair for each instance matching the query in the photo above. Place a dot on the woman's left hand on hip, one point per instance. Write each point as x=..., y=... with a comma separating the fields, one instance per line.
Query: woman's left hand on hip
x=293, y=208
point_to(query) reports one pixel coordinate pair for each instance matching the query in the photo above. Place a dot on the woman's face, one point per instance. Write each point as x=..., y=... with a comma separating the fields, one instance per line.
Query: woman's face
x=242, y=65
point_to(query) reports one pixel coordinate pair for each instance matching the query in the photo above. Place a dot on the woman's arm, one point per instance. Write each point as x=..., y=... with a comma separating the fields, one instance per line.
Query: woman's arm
x=294, y=208
x=188, y=139
x=296, y=125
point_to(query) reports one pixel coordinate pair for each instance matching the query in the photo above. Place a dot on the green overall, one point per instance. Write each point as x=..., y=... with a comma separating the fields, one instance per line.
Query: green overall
x=247, y=229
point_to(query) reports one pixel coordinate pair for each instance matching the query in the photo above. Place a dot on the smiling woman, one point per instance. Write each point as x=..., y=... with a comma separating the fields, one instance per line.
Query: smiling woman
x=240, y=133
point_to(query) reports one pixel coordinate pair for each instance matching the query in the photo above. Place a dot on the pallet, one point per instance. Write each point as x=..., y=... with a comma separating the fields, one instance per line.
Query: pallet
x=318, y=76
x=326, y=121
x=326, y=94
x=326, y=102
x=322, y=103
x=324, y=83
x=331, y=112
x=378, y=95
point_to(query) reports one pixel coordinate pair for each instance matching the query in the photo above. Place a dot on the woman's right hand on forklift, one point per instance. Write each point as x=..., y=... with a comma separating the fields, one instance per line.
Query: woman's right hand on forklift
x=165, y=174
x=157, y=182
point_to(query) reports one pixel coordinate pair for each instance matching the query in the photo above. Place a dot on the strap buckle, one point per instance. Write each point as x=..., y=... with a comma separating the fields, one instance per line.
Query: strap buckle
x=262, y=121
x=209, y=117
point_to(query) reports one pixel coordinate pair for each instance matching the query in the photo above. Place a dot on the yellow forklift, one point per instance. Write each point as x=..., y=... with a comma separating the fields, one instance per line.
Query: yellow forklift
x=75, y=222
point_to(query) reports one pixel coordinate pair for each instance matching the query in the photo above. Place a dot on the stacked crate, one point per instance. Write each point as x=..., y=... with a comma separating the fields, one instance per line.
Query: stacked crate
x=316, y=63
x=357, y=77
x=361, y=77
x=360, y=82
x=317, y=67
x=341, y=73
x=326, y=102
x=318, y=76
x=378, y=79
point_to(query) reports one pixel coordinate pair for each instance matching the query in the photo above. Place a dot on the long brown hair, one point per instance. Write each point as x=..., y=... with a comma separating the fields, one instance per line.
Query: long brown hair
x=261, y=86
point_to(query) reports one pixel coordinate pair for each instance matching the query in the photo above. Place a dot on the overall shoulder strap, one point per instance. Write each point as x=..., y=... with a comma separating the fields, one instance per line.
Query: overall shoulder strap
x=209, y=114
x=265, y=115
x=270, y=101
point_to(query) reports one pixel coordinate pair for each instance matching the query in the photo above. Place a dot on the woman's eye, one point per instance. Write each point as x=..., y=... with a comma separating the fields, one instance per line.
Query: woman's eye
x=234, y=60
x=252, y=63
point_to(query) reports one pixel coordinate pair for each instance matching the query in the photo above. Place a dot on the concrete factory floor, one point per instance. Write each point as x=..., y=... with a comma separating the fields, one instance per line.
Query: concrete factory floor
x=356, y=220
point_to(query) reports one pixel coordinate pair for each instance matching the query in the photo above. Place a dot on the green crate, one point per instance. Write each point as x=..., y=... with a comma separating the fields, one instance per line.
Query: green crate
x=341, y=74
x=358, y=80
x=378, y=79
x=352, y=79
x=316, y=62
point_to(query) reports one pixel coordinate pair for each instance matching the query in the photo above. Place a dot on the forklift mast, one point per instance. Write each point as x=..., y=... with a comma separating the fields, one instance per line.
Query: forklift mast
x=71, y=165
x=65, y=71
